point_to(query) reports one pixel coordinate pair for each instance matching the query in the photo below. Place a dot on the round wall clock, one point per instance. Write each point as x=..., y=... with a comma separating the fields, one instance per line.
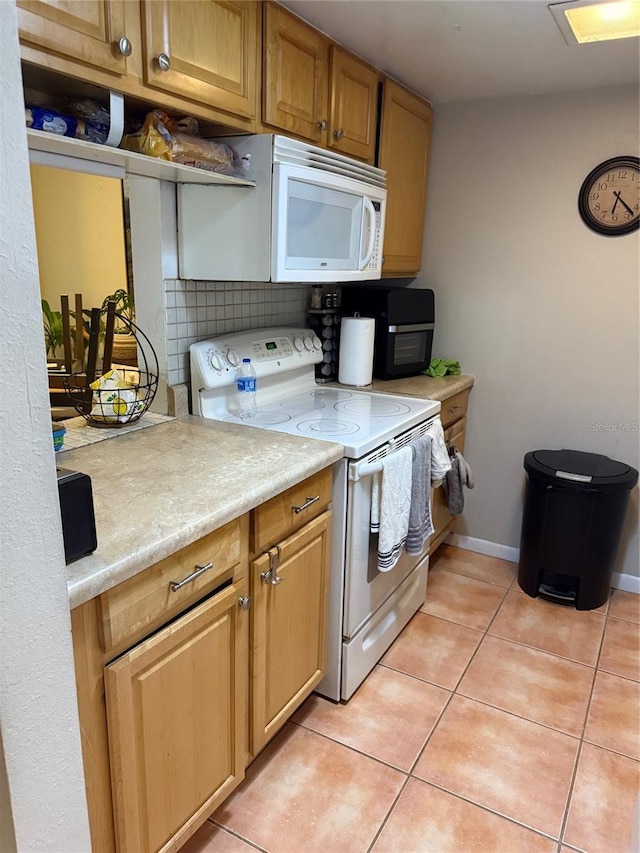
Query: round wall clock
x=609, y=200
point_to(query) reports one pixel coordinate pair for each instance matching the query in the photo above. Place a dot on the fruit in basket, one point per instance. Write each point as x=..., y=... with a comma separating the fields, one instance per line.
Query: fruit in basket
x=114, y=399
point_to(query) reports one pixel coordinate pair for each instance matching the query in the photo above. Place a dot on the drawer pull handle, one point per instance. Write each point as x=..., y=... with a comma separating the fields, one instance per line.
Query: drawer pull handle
x=454, y=409
x=200, y=570
x=306, y=504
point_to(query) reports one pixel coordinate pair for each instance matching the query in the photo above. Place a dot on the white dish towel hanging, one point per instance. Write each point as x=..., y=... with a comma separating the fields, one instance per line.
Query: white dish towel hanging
x=390, y=506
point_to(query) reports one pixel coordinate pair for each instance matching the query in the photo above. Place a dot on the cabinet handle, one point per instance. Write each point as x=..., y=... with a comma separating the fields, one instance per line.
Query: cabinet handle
x=164, y=63
x=307, y=503
x=338, y=134
x=271, y=577
x=322, y=125
x=124, y=47
x=244, y=601
x=200, y=570
x=454, y=409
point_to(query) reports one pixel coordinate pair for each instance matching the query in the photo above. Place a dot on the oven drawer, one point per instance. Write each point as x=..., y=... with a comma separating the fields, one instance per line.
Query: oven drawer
x=454, y=408
x=287, y=512
x=136, y=607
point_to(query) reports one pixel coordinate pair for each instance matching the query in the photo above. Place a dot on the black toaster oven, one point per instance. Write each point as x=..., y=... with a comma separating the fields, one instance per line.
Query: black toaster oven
x=405, y=319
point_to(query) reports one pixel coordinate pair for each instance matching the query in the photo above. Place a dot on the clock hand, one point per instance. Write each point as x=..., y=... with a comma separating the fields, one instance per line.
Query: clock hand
x=615, y=204
x=622, y=202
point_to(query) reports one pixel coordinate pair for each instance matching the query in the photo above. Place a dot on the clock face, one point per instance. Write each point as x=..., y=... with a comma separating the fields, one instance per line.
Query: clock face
x=609, y=200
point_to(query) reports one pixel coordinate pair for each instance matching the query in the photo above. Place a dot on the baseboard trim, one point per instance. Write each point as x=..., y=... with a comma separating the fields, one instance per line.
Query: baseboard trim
x=483, y=546
x=627, y=583
x=620, y=580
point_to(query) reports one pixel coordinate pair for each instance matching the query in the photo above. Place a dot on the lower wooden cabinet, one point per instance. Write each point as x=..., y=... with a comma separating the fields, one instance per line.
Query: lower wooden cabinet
x=176, y=713
x=441, y=517
x=289, y=585
x=189, y=667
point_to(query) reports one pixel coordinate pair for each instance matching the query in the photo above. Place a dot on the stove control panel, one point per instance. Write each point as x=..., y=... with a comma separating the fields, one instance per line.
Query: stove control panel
x=273, y=352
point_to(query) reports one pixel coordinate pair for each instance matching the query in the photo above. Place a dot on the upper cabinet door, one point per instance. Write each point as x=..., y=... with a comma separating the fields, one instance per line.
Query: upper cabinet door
x=405, y=142
x=354, y=106
x=203, y=50
x=88, y=31
x=295, y=75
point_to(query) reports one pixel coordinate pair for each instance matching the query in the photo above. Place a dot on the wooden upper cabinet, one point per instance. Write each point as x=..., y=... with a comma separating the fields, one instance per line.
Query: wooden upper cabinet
x=87, y=31
x=203, y=50
x=354, y=106
x=295, y=76
x=405, y=142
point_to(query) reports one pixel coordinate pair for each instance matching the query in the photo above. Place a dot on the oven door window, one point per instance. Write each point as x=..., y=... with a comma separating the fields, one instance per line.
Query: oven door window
x=323, y=227
x=409, y=348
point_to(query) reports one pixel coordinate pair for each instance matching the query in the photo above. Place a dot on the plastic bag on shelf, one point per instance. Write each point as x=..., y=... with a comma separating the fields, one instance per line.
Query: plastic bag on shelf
x=160, y=137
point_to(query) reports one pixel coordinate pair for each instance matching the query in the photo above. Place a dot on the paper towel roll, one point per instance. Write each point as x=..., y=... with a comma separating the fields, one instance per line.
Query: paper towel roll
x=355, y=363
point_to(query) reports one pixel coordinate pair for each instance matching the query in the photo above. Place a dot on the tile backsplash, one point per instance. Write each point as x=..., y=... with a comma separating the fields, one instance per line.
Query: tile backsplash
x=197, y=310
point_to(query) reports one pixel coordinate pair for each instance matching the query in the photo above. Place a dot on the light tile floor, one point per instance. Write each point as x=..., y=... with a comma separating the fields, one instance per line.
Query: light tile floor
x=496, y=722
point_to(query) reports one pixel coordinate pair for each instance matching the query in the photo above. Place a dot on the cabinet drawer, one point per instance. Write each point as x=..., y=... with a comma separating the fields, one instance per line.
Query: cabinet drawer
x=138, y=606
x=454, y=408
x=289, y=511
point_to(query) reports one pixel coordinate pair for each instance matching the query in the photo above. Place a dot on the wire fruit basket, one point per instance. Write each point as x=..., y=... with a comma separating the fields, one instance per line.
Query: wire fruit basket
x=122, y=394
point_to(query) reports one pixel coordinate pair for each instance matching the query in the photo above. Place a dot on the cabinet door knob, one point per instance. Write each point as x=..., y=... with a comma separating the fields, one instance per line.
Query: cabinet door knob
x=322, y=125
x=244, y=602
x=124, y=47
x=338, y=134
x=164, y=63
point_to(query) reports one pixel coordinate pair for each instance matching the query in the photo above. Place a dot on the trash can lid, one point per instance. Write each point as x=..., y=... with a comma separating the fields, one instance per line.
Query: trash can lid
x=581, y=470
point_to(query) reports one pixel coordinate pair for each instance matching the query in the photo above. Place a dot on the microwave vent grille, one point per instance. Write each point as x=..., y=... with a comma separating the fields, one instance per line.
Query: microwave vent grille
x=294, y=153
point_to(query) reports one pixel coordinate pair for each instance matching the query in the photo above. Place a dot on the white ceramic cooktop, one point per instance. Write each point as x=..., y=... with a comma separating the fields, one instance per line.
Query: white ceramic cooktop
x=360, y=420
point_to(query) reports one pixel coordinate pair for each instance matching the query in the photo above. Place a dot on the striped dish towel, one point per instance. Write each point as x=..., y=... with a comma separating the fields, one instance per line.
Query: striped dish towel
x=420, y=524
x=395, y=504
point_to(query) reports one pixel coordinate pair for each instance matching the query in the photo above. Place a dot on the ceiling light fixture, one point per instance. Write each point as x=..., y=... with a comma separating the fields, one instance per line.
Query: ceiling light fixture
x=584, y=21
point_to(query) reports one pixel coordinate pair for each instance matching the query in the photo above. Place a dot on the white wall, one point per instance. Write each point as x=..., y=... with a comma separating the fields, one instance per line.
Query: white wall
x=542, y=310
x=41, y=780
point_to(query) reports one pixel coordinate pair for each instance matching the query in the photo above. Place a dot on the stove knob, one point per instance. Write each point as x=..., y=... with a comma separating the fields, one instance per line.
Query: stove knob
x=215, y=360
x=308, y=344
x=317, y=343
x=233, y=358
x=298, y=344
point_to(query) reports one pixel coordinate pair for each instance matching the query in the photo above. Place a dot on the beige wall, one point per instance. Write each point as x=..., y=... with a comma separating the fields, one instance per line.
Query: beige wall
x=79, y=233
x=542, y=310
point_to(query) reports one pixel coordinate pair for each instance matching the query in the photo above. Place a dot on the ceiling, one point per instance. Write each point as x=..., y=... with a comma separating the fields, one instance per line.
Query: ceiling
x=450, y=50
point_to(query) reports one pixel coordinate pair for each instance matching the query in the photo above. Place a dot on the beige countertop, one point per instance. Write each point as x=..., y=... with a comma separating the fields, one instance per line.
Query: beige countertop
x=157, y=490
x=421, y=386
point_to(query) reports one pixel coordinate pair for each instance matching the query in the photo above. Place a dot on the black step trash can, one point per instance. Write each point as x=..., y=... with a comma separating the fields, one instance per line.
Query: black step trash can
x=574, y=509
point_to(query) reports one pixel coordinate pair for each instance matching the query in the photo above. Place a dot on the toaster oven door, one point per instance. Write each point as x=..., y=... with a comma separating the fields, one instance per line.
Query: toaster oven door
x=407, y=349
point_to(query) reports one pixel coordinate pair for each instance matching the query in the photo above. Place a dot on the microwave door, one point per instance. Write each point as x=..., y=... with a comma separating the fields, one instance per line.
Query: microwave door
x=322, y=227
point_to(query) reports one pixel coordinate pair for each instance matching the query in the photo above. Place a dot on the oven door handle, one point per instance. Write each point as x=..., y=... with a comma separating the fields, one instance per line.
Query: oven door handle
x=357, y=472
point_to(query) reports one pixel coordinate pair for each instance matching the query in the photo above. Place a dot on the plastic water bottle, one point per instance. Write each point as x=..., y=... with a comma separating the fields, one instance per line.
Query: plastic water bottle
x=246, y=389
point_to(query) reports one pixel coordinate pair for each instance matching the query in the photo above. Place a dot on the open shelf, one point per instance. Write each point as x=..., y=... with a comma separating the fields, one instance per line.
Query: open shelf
x=52, y=150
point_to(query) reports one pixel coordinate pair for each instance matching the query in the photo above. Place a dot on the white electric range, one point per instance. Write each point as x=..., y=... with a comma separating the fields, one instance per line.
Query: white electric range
x=368, y=609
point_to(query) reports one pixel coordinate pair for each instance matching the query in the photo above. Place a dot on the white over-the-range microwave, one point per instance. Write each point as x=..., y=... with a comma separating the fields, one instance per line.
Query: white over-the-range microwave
x=313, y=216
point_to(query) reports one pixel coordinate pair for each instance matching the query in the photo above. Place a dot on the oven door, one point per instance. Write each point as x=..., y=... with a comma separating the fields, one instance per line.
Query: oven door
x=407, y=349
x=366, y=589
